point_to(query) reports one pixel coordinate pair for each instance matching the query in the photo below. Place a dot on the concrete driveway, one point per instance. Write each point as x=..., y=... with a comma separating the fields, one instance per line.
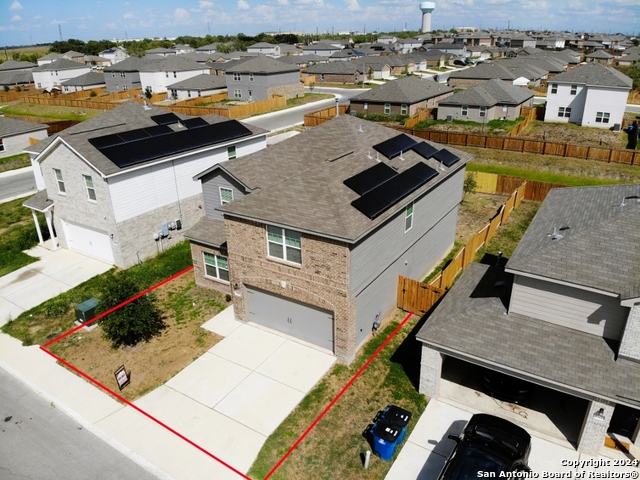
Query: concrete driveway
x=56, y=272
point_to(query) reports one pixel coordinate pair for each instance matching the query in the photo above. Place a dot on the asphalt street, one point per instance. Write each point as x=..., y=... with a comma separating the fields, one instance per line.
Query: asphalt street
x=17, y=184
x=39, y=442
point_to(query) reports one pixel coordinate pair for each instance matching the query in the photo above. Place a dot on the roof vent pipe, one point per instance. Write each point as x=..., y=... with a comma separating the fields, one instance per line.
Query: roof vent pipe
x=337, y=109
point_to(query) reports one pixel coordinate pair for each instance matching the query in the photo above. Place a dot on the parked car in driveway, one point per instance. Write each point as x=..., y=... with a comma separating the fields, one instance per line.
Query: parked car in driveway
x=488, y=444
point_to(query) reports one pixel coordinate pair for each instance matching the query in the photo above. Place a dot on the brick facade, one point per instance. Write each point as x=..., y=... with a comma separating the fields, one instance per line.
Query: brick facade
x=630, y=345
x=594, y=428
x=288, y=91
x=430, y=372
x=322, y=280
x=201, y=279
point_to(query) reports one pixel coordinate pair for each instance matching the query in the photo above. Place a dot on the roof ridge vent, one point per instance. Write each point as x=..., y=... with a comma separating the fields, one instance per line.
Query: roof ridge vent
x=342, y=155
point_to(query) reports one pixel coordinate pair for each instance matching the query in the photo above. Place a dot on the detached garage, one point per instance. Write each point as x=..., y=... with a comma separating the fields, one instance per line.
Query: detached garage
x=90, y=241
x=300, y=320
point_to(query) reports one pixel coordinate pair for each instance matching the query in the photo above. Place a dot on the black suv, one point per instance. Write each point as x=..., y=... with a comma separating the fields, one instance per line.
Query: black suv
x=487, y=444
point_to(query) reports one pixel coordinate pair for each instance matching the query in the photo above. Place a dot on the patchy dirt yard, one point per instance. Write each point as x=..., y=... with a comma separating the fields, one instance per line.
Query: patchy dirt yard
x=186, y=307
x=475, y=212
x=575, y=134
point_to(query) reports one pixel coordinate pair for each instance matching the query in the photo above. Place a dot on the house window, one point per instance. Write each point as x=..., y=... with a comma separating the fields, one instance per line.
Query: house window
x=237, y=77
x=574, y=89
x=174, y=75
x=125, y=87
x=404, y=109
x=1, y=146
x=483, y=111
x=284, y=244
x=166, y=74
x=113, y=74
x=226, y=195
x=464, y=110
x=554, y=88
x=231, y=152
x=60, y=180
x=366, y=106
x=39, y=85
x=122, y=74
x=602, y=117
x=251, y=77
x=189, y=93
x=91, y=192
x=237, y=93
x=408, y=217
x=387, y=108
x=216, y=266
x=564, y=112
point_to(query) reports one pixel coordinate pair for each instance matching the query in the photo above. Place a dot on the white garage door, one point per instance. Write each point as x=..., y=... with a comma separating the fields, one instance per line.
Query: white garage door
x=95, y=243
x=296, y=319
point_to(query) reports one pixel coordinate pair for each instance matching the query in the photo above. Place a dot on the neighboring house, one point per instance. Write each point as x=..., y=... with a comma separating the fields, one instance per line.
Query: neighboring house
x=629, y=59
x=211, y=48
x=407, y=45
x=302, y=60
x=600, y=56
x=521, y=41
x=125, y=75
x=87, y=81
x=75, y=56
x=198, y=86
x=221, y=67
x=492, y=100
x=14, y=73
x=51, y=75
x=322, y=49
x=344, y=55
x=17, y=135
x=163, y=52
x=564, y=314
x=457, y=49
x=265, y=49
x=404, y=96
x=182, y=49
x=119, y=186
x=263, y=77
x=387, y=40
x=425, y=59
x=469, y=77
x=48, y=58
x=156, y=75
x=309, y=236
x=335, y=72
x=374, y=49
x=288, y=50
x=96, y=62
x=590, y=95
x=114, y=55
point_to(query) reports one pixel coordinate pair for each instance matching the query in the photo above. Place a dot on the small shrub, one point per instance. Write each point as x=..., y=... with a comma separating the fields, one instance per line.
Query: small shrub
x=470, y=183
x=227, y=298
x=93, y=93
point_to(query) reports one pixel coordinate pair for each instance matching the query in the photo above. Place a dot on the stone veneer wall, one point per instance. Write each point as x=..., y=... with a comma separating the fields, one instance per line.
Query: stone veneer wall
x=630, y=345
x=289, y=91
x=322, y=280
x=198, y=267
x=594, y=428
x=430, y=372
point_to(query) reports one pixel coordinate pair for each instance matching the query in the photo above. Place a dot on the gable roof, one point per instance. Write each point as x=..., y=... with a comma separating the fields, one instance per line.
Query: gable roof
x=599, y=249
x=488, y=94
x=336, y=68
x=50, y=56
x=60, y=64
x=262, y=65
x=407, y=90
x=298, y=183
x=172, y=63
x=132, y=64
x=601, y=54
x=10, y=127
x=595, y=74
x=16, y=65
x=200, y=82
x=499, y=70
x=86, y=79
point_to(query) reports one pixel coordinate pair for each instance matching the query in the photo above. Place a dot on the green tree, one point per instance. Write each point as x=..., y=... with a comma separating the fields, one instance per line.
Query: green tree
x=138, y=321
x=148, y=93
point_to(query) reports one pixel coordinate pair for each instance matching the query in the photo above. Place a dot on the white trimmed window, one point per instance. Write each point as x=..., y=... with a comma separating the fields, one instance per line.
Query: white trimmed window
x=574, y=89
x=231, y=152
x=60, y=180
x=91, y=192
x=408, y=217
x=216, y=266
x=387, y=108
x=226, y=195
x=483, y=111
x=284, y=244
x=404, y=109
x=237, y=77
x=1, y=146
x=602, y=117
x=464, y=110
x=366, y=106
x=251, y=77
x=554, y=88
x=237, y=93
x=564, y=112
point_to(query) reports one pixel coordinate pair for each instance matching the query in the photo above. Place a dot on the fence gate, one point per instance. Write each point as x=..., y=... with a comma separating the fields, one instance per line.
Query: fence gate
x=416, y=296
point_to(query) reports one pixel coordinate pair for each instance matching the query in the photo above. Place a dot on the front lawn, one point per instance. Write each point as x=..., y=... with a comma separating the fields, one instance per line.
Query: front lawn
x=14, y=162
x=50, y=111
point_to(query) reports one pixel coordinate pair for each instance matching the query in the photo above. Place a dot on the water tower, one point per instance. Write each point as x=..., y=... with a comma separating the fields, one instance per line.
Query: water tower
x=427, y=8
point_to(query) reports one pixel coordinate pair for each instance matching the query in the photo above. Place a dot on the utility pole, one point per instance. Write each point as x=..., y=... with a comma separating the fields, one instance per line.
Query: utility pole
x=60, y=32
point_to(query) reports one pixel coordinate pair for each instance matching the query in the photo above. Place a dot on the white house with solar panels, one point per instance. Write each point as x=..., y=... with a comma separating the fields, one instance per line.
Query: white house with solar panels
x=311, y=234
x=119, y=187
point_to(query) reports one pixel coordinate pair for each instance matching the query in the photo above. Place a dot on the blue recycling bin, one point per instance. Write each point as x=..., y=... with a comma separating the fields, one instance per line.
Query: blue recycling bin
x=399, y=416
x=386, y=436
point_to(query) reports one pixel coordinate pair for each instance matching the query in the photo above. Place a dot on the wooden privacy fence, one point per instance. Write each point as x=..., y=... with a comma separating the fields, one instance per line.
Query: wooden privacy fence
x=53, y=125
x=529, y=114
x=526, y=145
x=412, y=296
x=231, y=111
x=421, y=116
x=313, y=119
x=505, y=184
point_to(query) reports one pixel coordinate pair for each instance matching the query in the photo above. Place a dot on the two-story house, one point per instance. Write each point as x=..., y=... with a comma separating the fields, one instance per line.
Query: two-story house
x=125, y=75
x=264, y=48
x=51, y=75
x=563, y=314
x=591, y=95
x=262, y=77
x=114, y=54
x=309, y=235
x=157, y=75
x=119, y=186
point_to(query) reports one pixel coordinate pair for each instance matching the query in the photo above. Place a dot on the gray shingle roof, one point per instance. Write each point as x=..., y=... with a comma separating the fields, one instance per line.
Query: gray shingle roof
x=60, y=64
x=86, y=79
x=336, y=68
x=488, y=94
x=471, y=323
x=200, y=82
x=263, y=65
x=487, y=71
x=172, y=63
x=301, y=59
x=132, y=64
x=594, y=74
x=10, y=127
x=15, y=65
x=600, y=249
x=208, y=231
x=50, y=56
x=129, y=116
x=13, y=78
x=601, y=54
x=299, y=182
x=407, y=90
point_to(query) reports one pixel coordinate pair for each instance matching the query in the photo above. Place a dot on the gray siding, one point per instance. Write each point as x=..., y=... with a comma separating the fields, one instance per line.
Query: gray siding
x=211, y=191
x=260, y=85
x=116, y=83
x=570, y=307
x=387, y=244
x=379, y=297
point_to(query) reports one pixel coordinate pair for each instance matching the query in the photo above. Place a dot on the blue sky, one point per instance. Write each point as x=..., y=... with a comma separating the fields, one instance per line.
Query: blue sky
x=36, y=21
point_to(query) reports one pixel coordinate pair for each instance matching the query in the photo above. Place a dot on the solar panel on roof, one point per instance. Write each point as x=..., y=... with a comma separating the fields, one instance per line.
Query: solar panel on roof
x=424, y=150
x=194, y=122
x=132, y=153
x=394, y=146
x=446, y=157
x=165, y=118
x=370, y=178
x=106, y=141
x=158, y=130
x=381, y=198
x=133, y=135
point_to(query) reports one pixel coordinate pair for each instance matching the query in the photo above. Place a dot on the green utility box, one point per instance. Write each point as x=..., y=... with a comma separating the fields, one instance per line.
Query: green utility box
x=85, y=311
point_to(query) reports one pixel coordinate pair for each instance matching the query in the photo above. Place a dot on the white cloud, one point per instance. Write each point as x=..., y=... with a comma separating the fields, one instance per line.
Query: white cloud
x=243, y=5
x=180, y=14
x=37, y=17
x=16, y=18
x=16, y=6
x=205, y=4
x=129, y=15
x=353, y=5
x=56, y=22
x=111, y=26
x=283, y=2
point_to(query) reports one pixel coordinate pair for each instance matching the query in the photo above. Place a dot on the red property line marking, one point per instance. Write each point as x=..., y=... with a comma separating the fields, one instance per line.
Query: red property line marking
x=113, y=309
x=337, y=397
